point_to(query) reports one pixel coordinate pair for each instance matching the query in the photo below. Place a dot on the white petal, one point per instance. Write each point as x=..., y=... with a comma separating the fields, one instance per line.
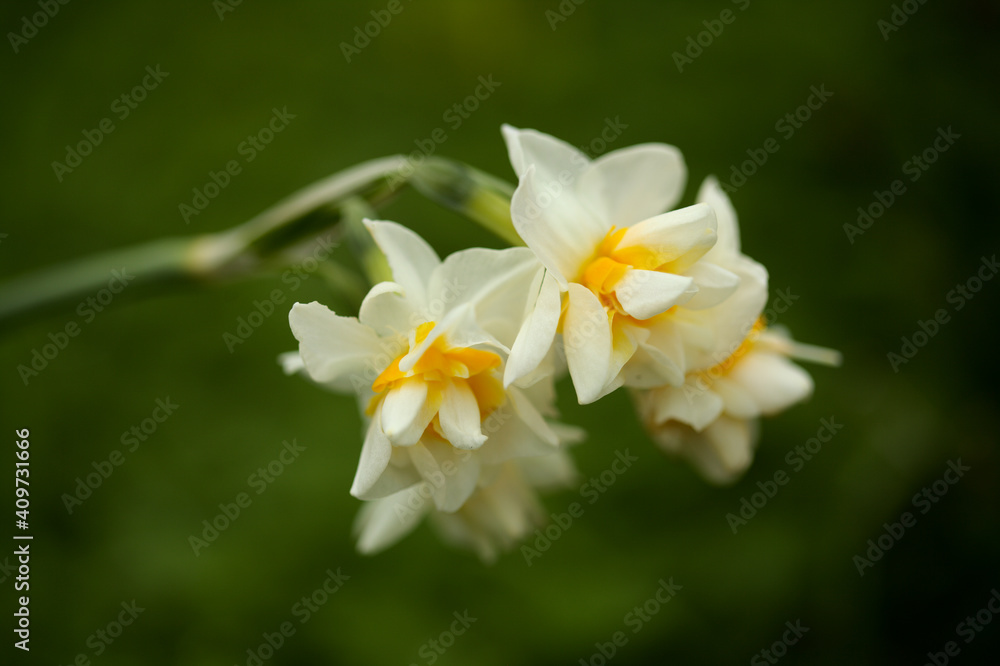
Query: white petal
x=651, y=368
x=383, y=522
x=625, y=340
x=331, y=346
x=375, y=453
x=561, y=232
x=464, y=329
x=774, y=382
x=452, y=473
x=739, y=402
x=549, y=472
x=387, y=309
x=721, y=453
x=714, y=285
x=531, y=417
x=549, y=155
x=398, y=474
x=694, y=404
x=727, y=450
x=662, y=356
x=728, y=244
x=493, y=283
x=510, y=437
x=634, y=183
x=587, y=336
x=411, y=259
x=538, y=331
x=405, y=412
x=459, y=416
x=645, y=294
x=679, y=237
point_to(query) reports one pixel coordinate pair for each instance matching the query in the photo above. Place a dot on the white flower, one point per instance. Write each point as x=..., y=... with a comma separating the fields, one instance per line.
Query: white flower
x=614, y=261
x=712, y=418
x=502, y=511
x=425, y=357
x=742, y=370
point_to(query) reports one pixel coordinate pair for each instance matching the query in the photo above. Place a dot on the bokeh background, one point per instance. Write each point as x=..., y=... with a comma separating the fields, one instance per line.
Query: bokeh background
x=607, y=60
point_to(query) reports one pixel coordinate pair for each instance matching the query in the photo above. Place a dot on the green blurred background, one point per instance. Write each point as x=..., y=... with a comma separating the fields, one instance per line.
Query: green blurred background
x=607, y=60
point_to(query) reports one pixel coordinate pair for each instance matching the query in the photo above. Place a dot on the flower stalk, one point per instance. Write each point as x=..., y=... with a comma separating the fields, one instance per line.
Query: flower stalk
x=274, y=238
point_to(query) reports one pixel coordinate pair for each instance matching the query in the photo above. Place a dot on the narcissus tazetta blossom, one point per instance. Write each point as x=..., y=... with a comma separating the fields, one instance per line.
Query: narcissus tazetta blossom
x=614, y=260
x=742, y=373
x=425, y=357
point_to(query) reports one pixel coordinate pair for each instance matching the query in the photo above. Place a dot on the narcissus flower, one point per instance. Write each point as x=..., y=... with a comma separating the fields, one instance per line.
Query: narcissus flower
x=741, y=373
x=425, y=357
x=614, y=260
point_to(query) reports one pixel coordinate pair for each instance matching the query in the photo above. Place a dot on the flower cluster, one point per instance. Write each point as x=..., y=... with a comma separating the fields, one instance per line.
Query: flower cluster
x=454, y=362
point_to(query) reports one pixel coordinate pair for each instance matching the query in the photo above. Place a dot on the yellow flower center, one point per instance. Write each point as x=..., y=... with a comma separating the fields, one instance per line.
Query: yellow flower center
x=609, y=265
x=440, y=364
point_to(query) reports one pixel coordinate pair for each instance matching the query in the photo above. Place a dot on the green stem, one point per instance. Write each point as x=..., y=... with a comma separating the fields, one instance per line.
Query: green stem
x=234, y=253
x=272, y=238
x=164, y=260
